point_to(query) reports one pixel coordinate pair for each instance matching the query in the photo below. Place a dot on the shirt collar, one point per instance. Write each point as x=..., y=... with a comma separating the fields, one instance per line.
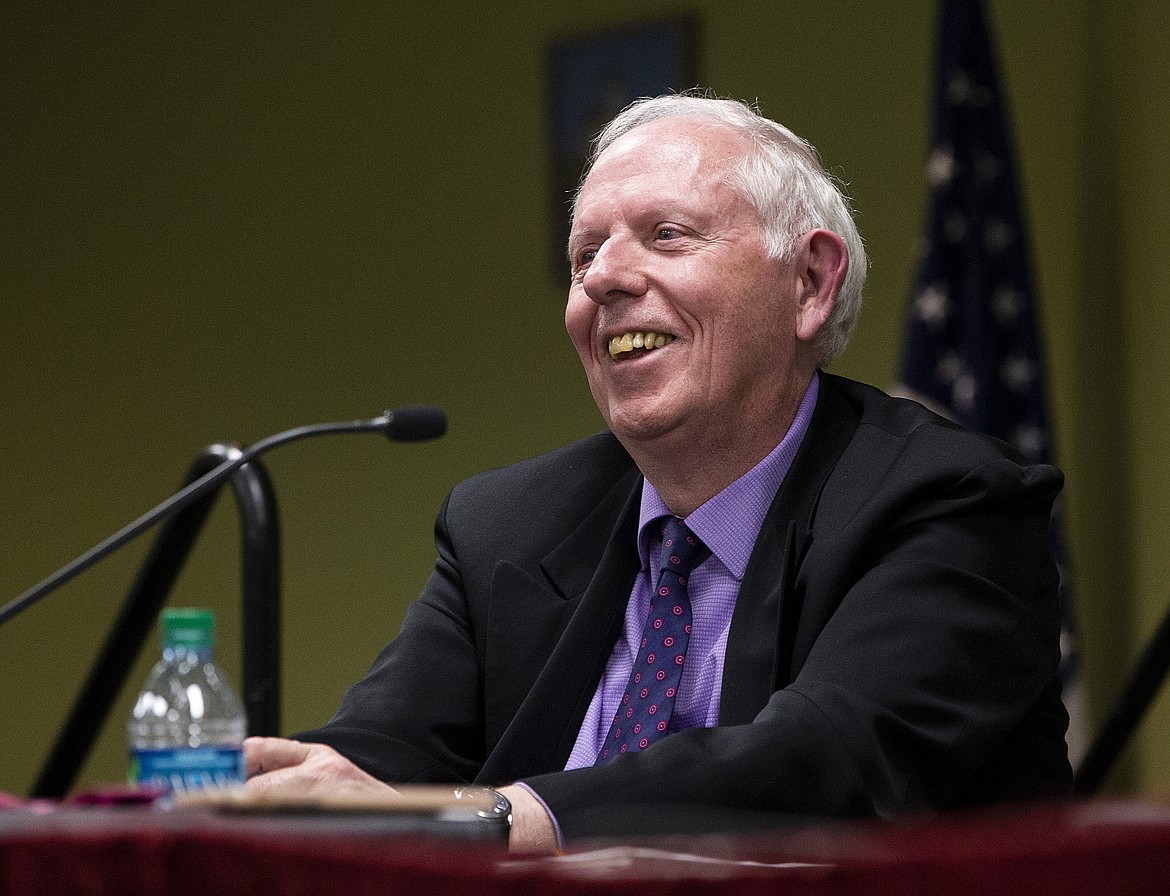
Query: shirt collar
x=729, y=523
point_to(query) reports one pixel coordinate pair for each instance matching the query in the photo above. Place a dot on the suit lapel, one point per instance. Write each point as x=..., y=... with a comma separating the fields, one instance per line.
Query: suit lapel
x=570, y=617
x=560, y=633
x=759, y=644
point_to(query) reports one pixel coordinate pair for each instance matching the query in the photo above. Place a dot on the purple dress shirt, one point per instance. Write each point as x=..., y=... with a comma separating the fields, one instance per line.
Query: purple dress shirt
x=728, y=524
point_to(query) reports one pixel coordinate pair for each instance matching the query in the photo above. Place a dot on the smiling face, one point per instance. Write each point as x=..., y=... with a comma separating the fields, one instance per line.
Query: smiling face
x=662, y=244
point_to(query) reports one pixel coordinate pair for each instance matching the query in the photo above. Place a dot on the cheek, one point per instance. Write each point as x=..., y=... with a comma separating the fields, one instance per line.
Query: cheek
x=580, y=313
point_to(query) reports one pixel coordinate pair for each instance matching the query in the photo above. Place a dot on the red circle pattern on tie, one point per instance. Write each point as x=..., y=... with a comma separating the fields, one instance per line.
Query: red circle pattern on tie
x=645, y=711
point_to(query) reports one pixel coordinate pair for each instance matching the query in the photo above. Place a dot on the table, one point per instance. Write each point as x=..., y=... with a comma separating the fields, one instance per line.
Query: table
x=1114, y=848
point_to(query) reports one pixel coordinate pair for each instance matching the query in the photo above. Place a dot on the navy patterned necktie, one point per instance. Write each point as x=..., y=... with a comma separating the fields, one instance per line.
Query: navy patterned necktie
x=644, y=713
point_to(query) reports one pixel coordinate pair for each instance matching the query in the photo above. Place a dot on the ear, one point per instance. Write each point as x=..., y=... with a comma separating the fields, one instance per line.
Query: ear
x=824, y=259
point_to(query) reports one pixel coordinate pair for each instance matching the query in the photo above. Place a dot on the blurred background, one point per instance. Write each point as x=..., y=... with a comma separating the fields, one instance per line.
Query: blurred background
x=219, y=222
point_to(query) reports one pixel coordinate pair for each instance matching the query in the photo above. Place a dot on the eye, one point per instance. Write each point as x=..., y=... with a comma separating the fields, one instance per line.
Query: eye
x=668, y=233
x=582, y=259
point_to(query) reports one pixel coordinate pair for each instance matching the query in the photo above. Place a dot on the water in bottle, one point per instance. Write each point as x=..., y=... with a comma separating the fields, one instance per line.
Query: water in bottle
x=187, y=728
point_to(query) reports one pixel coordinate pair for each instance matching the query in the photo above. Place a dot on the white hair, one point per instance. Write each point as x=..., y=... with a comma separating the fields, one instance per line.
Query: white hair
x=783, y=180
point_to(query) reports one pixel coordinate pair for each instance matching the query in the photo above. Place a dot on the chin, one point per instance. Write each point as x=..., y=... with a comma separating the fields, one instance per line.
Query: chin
x=630, y=425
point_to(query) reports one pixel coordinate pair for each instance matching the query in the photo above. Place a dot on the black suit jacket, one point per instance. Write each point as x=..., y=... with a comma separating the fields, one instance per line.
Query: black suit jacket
x=894, y=646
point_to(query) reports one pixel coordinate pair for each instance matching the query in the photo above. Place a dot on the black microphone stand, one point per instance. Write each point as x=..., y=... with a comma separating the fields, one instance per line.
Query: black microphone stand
x=260, y=617
x=188, y=495
x=187, y=510
x=1126, y=712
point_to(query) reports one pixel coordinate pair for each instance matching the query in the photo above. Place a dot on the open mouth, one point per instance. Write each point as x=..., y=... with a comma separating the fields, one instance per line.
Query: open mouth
x=646, y=342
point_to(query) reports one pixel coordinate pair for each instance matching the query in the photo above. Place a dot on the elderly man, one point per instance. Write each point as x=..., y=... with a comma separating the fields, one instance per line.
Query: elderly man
x=766, y=591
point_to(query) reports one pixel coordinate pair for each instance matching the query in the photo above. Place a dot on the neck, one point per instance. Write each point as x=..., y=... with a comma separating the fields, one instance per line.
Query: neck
x=689, y=467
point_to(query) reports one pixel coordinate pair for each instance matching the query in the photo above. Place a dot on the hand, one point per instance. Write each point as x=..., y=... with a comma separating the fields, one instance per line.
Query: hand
x=315, y=771
x=309, y=771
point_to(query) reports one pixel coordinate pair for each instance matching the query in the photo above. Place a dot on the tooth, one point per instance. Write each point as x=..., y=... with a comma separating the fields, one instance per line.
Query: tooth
x=645, y=340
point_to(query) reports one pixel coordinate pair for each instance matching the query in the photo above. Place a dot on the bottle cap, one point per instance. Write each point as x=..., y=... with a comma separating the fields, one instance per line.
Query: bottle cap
x=187, y=627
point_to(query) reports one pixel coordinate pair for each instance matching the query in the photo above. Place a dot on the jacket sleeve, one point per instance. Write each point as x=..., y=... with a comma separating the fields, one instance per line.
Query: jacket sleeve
x=926, y=646
x=417, y=714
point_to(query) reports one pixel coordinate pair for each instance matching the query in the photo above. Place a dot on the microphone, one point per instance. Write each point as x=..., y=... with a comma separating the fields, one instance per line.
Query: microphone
x=413, y=423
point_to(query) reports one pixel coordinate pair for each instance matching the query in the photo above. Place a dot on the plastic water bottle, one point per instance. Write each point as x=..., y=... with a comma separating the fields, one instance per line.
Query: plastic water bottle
x=187, y=728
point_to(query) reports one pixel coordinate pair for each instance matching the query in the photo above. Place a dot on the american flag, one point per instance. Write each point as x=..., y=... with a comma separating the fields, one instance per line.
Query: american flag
x=971, y=346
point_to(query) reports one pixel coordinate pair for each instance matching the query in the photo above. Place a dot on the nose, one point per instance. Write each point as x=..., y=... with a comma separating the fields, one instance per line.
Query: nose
x=615, y=272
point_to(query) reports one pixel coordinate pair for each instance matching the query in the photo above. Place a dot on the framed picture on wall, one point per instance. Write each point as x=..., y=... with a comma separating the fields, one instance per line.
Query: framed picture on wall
x=592, y=77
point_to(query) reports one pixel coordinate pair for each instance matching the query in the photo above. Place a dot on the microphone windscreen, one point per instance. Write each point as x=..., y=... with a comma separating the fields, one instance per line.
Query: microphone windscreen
x=415, y=423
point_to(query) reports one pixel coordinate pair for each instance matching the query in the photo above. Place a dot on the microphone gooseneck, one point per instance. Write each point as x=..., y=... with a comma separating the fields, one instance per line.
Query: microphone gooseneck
x=413, y=423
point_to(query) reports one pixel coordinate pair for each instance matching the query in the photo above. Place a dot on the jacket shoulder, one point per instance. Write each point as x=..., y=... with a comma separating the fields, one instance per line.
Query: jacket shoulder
x=541, y=499
x=579, y=466
x=901, y=446
x=897, y=416
x=888, y=416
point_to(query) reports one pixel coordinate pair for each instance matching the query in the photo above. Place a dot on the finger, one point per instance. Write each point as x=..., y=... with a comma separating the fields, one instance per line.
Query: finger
x=264, y=754
x=279, y=782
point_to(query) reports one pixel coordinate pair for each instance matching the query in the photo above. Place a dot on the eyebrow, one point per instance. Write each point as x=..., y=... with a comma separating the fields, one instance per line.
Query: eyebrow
x=576, y=238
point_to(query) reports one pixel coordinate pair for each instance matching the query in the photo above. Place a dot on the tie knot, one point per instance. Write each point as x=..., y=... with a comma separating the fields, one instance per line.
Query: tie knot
x=682, y=550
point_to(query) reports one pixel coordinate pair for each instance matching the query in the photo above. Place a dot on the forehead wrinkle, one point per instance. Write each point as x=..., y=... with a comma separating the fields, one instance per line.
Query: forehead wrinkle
x=738, y=145
x=706, y=148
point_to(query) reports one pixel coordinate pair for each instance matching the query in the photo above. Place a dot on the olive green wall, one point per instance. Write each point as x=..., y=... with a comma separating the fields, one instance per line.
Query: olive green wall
x=222, y=223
